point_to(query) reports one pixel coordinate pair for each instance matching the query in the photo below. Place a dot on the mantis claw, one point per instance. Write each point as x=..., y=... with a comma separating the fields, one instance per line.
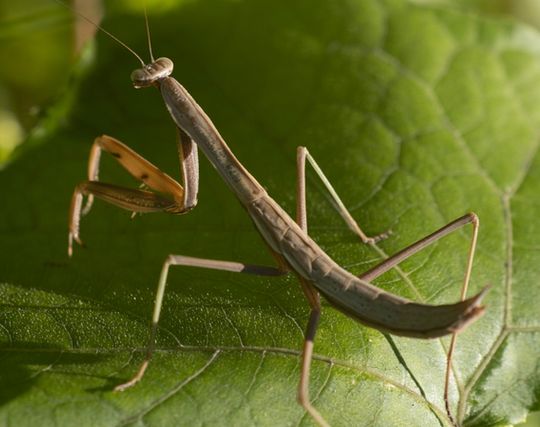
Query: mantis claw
x=88, y=205
x=72, y=237
x=134, y=380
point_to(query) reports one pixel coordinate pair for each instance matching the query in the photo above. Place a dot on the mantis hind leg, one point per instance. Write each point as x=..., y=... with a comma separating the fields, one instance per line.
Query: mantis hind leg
x=307, y=353
x=402, y=255
x=376, y=271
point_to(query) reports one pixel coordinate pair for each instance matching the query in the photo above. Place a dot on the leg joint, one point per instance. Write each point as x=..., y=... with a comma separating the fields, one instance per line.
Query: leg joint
x=302, y=399
x=168, y=261
x=473, y=218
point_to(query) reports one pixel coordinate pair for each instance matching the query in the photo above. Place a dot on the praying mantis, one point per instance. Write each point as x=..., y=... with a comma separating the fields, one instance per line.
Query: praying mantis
x=287, y=239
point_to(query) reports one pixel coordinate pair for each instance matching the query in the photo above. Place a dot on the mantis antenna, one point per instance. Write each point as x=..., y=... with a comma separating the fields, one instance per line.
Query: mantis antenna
x=116, y=39
x=148, y=34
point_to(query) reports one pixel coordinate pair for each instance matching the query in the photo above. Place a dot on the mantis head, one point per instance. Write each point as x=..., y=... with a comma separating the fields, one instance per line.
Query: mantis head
x=151, y=73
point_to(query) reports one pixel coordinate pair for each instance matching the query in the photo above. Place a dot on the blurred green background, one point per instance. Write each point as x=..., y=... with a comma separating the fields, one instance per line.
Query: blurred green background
x=40, y=42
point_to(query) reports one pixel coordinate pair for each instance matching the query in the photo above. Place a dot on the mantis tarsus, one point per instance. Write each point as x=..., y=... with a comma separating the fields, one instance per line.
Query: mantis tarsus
x=287, y=239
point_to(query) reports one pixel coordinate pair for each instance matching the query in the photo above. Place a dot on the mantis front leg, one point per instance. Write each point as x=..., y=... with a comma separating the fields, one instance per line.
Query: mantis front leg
x=181, y=200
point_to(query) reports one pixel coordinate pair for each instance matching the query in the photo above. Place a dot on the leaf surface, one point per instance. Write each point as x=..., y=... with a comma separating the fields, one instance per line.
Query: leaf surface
x=416, y=115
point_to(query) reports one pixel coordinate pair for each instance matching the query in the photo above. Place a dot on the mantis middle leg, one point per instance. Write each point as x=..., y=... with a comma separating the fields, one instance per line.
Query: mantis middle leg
x=301, y=215
x=180, y=260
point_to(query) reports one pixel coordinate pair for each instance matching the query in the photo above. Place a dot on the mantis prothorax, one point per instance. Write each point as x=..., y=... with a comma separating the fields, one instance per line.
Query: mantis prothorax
x=287, y=239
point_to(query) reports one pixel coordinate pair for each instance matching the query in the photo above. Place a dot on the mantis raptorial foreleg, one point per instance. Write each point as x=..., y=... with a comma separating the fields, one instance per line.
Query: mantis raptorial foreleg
x=180, y=260
x=182, y=199
x=372, y=274
x=140, y=168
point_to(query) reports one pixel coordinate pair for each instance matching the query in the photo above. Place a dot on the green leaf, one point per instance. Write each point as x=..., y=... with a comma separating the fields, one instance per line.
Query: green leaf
x=416, y=115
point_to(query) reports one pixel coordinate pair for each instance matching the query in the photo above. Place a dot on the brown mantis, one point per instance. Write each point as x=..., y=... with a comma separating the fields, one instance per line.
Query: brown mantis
x=287, y=239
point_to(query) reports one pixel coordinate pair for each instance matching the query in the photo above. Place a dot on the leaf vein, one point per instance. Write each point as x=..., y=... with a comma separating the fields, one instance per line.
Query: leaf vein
x=138, y=416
